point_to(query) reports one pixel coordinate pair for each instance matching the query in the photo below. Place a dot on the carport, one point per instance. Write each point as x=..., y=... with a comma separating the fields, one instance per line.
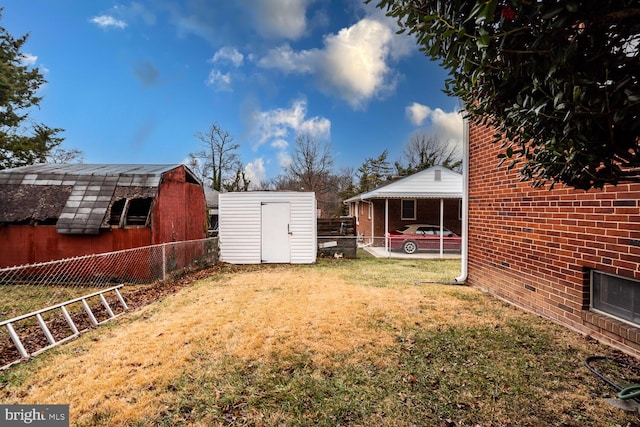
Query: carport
x=431, y=196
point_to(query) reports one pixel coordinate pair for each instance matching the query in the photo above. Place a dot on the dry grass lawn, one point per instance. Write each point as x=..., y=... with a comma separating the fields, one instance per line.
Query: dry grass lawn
x=338, y=343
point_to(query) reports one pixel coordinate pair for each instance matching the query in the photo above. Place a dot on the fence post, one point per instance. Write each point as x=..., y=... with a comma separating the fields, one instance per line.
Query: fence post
x=164, y=261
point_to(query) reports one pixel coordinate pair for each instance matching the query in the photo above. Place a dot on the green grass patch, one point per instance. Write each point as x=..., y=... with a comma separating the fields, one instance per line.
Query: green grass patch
x=514, y=373
x=382, y=272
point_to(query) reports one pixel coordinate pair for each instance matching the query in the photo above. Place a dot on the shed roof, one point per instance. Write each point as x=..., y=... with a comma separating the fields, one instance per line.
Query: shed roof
x=421, y=185
x=211, y=197
x=78, y=195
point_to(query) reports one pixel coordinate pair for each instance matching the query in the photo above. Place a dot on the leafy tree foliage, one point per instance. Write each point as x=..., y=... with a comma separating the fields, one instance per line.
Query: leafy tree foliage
x=21, y=141
x=374, y=172
x=558, y=79
x=217, y=158
x=239, y=182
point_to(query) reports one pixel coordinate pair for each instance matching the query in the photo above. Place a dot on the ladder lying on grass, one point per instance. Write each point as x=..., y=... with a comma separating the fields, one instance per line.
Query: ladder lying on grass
x=74, y=329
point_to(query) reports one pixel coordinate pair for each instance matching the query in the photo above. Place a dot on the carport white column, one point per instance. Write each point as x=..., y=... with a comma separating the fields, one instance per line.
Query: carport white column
x=441, y=227
x=386, y=226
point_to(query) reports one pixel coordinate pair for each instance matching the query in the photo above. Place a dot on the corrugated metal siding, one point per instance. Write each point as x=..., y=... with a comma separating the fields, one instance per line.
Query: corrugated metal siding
x=240, y=225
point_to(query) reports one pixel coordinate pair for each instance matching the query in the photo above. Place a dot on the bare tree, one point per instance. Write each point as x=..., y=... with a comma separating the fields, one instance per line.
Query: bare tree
x=62, y=155
x=218, y=155
x=311, y=169
x=283, y=182
x=197, y=167
x=423, y=151
x=311, y=163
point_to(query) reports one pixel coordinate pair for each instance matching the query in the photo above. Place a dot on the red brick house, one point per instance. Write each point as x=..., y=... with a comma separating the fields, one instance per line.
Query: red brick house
x=569, y=255
x=430, y=196
x=54, y=211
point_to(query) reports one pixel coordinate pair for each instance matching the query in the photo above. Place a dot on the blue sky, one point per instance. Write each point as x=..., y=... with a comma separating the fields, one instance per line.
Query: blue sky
x=133, y=81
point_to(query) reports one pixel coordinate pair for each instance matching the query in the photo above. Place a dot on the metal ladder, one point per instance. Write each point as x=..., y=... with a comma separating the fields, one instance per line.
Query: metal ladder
x=74, y=329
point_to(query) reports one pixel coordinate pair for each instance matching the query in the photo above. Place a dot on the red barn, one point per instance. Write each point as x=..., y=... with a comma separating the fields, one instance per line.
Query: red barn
x=570, y=255
x=54, y=211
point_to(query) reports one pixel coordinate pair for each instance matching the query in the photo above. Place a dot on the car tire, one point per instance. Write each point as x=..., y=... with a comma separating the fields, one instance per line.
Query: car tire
x=409, y=247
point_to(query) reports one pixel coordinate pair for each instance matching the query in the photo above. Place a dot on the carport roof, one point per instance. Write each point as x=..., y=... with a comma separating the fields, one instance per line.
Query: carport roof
x=436, y=182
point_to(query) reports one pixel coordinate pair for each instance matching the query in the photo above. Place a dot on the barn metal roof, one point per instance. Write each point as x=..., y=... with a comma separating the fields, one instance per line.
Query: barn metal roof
x=78, y=195
x=420, y=185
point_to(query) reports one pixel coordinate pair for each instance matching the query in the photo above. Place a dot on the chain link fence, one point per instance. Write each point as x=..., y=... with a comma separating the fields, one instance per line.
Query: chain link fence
x=31, y=287
x=45, y=304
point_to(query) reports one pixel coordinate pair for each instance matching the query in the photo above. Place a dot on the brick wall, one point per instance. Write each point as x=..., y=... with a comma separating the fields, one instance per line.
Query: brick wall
x=535, y=247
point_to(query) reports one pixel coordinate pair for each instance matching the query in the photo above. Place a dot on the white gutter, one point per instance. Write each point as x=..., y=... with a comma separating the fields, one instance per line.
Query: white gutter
x=465, y=203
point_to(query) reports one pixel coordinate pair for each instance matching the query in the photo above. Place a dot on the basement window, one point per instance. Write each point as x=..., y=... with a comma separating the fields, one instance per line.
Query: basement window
x=408, y=209
x=616, y=296
x=138, y=211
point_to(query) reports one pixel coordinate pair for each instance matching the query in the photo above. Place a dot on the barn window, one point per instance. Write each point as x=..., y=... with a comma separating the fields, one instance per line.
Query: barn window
x=616, y=296
x=138, y=211
x=408, y=209
x=437, y=175
x=116, y=211
x=47, y=221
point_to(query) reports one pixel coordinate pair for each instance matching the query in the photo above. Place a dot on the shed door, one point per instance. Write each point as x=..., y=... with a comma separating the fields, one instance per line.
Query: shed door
x=275, y=235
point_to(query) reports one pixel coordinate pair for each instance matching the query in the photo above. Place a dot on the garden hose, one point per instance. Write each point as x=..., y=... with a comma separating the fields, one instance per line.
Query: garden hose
x=624, y=393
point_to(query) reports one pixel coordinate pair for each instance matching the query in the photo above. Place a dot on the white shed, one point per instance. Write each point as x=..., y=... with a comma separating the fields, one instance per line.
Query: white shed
x=267, y=227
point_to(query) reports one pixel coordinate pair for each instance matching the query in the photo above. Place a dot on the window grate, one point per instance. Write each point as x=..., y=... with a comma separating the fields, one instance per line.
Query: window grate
x=616, y=296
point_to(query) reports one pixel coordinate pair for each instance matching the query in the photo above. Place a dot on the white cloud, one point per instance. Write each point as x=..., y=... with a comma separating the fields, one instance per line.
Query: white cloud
x=444, y=126
x=448, y=125
x=284, y=19
x=28, y=60
x=255, y=172
x=284, y=159
x=274, y=126
x=279, y=127
x=139, y=10
x=107, y=21
x=279, y=143
x=228, y=55
x=219, y=81
x=356, y=61
x=287, y=60
x=353, y=64
x=417, y=113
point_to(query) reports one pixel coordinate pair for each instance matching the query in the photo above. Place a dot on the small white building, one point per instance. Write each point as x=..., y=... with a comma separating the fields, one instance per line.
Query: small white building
x=267, y=227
